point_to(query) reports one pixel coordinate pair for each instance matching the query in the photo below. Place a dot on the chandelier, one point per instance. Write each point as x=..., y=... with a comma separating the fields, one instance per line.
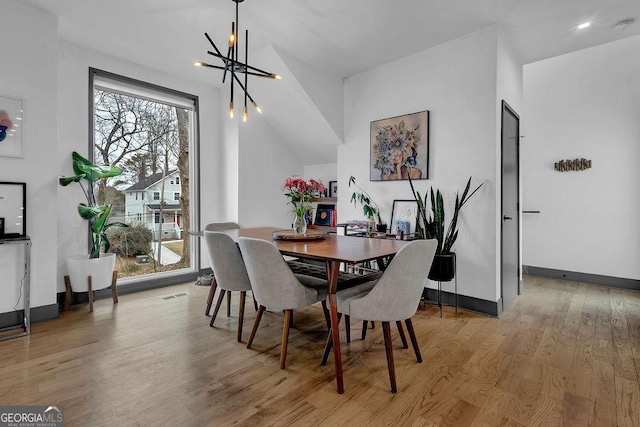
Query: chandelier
x=237, y=70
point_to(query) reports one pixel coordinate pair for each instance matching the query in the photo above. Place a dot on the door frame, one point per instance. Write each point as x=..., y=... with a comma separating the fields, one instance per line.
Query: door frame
x=507, y=108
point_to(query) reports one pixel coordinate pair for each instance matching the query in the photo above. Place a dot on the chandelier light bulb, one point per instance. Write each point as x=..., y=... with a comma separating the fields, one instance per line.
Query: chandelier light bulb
x=278, y=77
x=231, y=110
x=258, y=109
x=245, y=114
x=198, y=64
x=232, y=39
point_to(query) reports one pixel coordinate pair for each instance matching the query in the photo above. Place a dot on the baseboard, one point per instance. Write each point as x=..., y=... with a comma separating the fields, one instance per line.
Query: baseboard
x=573, y=276
x=477, y=305
x=38, y=314
x=140, y=286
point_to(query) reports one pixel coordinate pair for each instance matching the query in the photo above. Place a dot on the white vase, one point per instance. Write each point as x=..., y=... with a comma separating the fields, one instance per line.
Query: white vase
x=100, y=269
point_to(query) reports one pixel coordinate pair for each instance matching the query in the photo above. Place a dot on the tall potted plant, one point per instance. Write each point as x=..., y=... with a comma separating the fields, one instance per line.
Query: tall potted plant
x=369, y=207
x=98, y=265
x=433, y=227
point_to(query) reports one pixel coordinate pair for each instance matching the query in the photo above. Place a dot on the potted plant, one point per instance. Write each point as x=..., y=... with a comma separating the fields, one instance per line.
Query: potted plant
x=98, y=265
x=433, y=227
x=369, y=207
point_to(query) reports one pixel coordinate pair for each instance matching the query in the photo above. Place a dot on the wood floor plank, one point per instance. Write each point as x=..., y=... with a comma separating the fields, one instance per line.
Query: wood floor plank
x=563, y=353
x=492, y=415
x=627, y=402
x=577, y=411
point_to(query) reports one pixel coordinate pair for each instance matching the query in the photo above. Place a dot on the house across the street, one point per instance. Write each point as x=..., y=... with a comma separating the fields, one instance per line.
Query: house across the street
x=144, y=200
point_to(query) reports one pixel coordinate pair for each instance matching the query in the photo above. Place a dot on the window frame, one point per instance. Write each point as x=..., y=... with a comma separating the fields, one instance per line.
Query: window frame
x=156, y=280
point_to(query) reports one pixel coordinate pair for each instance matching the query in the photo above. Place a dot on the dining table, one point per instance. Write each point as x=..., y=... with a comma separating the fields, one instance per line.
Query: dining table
x=333, y=250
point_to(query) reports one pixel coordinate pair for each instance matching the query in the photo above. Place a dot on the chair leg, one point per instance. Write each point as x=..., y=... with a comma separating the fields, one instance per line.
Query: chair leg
x=325, y=311
x=255, y=303
x=414, y=341
x=218, y=303
x=365, y=325
x=114, y=291
x=89, y=285
x=347, y=327
x=67, y=295
x=255, y=325
x=243, y=297
x=386, y=329
x=327, y=349
x=288, y=314
x=228, y=304
x=329, y=345
x=212, y=293
x=401, y=332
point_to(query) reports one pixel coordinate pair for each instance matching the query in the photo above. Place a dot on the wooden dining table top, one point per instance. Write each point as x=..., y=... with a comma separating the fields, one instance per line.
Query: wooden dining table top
x=347, y=249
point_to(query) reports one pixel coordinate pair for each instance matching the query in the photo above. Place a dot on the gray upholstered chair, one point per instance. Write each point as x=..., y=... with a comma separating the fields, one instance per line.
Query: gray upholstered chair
x=394, y=298
x=229, y=272
x=276, y=287
x=218, y=226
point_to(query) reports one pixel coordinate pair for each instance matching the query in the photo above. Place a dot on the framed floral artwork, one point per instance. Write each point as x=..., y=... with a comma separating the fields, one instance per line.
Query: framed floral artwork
x=400, y=147
x=11, y=114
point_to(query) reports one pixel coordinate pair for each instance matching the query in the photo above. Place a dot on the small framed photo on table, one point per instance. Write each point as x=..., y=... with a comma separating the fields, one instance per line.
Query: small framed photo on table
x=333, y=188
x=404, y=215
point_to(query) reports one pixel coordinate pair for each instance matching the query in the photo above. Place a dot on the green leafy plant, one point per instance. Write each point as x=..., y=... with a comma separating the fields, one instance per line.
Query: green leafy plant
x=433, y=227
x=97, y=215
x=369, y=207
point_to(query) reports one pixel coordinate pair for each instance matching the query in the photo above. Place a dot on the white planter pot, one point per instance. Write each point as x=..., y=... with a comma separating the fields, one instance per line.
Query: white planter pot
x=100, y=270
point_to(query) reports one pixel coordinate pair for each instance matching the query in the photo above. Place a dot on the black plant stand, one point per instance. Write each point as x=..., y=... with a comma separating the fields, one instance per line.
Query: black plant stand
x=455, y=282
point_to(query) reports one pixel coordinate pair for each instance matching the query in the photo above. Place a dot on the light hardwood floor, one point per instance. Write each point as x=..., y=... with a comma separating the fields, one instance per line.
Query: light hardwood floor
x=563, y=354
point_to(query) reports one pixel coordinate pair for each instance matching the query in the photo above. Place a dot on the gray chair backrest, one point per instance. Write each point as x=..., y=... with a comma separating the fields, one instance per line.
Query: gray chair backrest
x=273, y=282
x=226, y=262
x=217, y=226
x=397, y=294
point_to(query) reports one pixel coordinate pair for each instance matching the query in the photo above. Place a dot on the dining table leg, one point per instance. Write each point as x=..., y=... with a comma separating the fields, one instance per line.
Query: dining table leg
x=332, y=276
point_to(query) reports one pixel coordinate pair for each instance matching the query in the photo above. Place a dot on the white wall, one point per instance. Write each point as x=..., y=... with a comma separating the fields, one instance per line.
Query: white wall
x=583, y=104
x=227, y=168
x=73, y=64
x=325, y=173
x=325, y=90
x=456, y=81
x=29, y=72
x=265, y=162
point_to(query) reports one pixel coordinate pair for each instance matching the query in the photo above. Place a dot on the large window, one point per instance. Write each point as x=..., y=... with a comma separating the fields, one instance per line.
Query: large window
x=150, y=133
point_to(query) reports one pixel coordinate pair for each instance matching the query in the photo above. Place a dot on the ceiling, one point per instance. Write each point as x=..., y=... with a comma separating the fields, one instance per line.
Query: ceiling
x=338, y=38
x=341, y=37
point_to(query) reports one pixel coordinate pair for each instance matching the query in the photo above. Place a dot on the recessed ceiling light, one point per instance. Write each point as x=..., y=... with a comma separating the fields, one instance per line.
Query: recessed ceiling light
x=584, y=25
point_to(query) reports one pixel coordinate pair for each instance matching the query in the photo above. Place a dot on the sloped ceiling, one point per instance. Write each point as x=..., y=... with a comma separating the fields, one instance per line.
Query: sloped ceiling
x=335, y=38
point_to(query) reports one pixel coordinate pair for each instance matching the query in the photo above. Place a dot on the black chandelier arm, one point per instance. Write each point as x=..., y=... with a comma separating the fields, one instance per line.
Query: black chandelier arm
x=226, y=67
x=204, y=64
x=263, y=73
x=243, y=87
x=246, y=74
x=212, y=44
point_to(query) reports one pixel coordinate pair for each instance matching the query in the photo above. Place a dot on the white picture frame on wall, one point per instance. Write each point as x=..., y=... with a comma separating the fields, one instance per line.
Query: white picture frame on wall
x=11, y=126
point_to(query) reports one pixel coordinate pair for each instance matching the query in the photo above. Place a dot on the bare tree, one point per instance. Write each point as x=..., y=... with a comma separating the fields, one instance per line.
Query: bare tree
x=183, y=167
